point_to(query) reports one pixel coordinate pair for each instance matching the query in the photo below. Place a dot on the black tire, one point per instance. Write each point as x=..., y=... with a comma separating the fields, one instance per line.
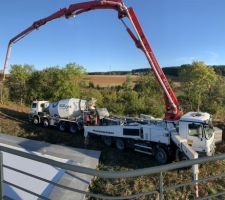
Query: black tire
x=74, y=128
x=45, y=123
x=35, y=120
x=62, y=126
x=161, y=155
x=107, y=141
x=183, y=158
x=120, y=145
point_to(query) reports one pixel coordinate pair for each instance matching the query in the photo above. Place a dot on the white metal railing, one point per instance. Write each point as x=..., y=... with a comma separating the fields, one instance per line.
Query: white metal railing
x=157, y=193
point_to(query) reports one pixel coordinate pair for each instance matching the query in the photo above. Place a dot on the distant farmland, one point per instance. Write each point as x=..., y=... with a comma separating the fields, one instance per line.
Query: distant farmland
x=109, y=80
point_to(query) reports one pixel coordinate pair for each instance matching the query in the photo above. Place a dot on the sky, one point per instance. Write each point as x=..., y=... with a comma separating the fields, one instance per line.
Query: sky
x=179, y=31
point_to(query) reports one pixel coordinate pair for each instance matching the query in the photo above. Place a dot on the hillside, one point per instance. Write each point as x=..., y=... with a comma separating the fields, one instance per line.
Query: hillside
x=13, y=121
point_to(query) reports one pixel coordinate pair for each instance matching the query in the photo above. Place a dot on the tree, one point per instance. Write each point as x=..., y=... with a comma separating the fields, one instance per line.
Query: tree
x=150, y=95
x=111, y=101
x=4, y=92
x=215, y=101
x=88, y=93
x=197, y=80
x=132, y=103
x=69, y=80
x=19, y=76
x=128, y=84
x=55, y=83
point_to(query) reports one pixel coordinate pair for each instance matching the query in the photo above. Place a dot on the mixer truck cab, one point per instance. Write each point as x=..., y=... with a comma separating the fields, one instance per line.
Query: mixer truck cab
x=197, y=129
x=37, y=107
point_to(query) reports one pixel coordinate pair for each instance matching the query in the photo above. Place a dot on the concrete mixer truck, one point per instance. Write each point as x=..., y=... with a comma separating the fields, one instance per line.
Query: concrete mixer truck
x=67, y=114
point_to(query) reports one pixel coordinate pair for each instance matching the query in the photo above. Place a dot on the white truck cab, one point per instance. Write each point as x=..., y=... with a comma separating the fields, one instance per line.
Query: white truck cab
x=197, y=128
x=38, y=106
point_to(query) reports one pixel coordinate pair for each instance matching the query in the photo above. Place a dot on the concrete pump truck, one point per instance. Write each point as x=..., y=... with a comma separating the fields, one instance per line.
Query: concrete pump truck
x=177, y=135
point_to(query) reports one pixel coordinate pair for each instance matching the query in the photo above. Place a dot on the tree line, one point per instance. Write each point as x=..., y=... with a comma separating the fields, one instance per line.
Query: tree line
x=198, y=88
x=173, y=71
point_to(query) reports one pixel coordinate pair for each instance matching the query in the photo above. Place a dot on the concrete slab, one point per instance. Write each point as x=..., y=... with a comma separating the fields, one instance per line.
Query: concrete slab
x=82, y=157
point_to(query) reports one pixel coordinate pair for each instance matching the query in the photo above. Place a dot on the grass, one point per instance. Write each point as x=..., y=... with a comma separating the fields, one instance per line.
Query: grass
x=114, y=160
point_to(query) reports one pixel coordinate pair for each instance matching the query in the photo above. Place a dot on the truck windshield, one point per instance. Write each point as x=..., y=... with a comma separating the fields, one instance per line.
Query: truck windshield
x=208, y=131
x=34, y=105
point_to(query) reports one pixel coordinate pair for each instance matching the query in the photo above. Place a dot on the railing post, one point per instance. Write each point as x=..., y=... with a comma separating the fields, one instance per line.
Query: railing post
x=195, y=174
x=1, y=176
x=161, y=196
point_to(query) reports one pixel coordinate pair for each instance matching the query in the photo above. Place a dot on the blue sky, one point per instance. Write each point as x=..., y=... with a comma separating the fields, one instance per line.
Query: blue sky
x=179, y=31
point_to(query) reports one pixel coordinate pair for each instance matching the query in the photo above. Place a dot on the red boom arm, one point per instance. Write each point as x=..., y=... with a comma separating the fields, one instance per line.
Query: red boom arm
x=173, y=111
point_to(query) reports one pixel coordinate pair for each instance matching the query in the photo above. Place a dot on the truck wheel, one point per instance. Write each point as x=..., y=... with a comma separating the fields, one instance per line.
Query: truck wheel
x=120, y=145
x=73, y=128
x=161, y=155
x=62, y=126
x=107, y=141
x=35, y=120
x=183, y=158
x=45, y=123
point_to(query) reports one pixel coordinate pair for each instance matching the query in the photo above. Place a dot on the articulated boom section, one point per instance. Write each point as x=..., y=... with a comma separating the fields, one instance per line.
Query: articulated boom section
x=173, y=111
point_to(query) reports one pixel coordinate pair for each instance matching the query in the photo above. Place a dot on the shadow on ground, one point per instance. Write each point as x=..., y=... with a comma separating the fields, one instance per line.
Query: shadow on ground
x=13, y=113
